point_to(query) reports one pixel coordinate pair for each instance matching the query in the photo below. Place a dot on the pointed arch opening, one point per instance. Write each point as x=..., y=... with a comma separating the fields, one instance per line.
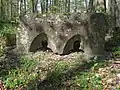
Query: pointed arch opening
x=40, y=43
x=74, y=44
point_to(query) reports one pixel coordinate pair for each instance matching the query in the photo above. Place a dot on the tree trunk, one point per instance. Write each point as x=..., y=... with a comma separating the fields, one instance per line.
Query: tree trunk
x=33, y=6
x=86, y=5
x=46, y=6
x=68, y=6
x=2, y=11
x=105, y=6
x=75, y=10
x=91, y=7
x=42, y=6
x=115, y=11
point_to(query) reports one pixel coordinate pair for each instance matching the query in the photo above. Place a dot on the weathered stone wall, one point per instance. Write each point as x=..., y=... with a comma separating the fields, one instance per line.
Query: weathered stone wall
x=22, y=39
x=61, y=32
x=96, y=33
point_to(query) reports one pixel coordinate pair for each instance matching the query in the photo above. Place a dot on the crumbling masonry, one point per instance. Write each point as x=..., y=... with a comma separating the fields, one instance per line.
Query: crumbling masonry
x=61, y=32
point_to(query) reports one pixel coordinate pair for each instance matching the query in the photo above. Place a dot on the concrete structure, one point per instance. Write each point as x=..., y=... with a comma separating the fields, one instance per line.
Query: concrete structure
x=61, y=32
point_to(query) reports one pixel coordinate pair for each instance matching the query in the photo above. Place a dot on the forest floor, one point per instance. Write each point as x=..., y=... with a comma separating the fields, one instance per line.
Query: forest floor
x=55, y=72
x=73, y=72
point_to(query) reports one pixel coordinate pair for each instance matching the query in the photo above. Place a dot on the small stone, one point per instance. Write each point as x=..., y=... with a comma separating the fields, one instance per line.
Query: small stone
x=118, y=75
x=117, y=62
x=109, y=81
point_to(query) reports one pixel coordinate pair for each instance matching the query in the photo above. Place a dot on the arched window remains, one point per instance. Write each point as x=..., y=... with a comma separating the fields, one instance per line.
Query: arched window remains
x=74, y=44
x=40, y=43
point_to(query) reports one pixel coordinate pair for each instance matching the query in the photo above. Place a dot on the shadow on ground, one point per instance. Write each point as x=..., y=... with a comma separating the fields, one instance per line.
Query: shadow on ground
x=58, y=80
x=8, y=61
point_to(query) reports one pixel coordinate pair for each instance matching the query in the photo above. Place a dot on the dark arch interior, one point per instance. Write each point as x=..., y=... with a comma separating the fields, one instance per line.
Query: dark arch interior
x=73, y=45
x=44, y=46
x=76, y=47
x=40, y=43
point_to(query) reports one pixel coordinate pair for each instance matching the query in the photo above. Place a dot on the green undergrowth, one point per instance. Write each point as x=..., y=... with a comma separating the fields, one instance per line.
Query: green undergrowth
x=77, y=77
x=65, y=75
x=57, y=75
x=116, y=51
x=20, y=76
x=7, y=28
x=89, y=79
x=6, y=32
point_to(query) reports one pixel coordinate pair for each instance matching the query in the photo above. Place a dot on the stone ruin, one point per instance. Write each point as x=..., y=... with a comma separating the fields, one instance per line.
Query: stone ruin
x=61, y=32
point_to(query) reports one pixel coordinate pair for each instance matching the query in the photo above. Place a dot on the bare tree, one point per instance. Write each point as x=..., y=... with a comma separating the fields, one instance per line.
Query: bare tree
x=86, y=5
x=91, y=7
x=105, y=5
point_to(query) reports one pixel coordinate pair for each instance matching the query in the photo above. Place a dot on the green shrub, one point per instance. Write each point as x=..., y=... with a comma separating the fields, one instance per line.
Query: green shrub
x=6, y=29
x=116, y=51
x=88, y=81
x=21, y=76
x=55, y=77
